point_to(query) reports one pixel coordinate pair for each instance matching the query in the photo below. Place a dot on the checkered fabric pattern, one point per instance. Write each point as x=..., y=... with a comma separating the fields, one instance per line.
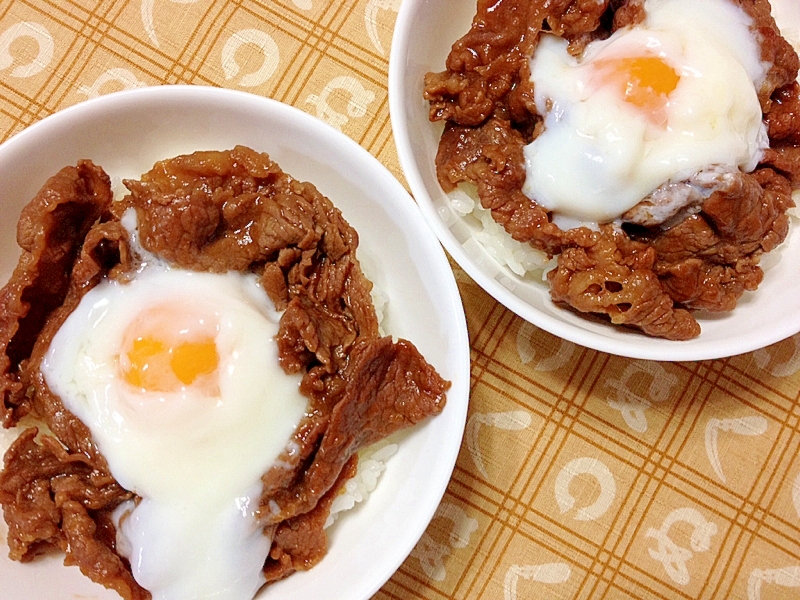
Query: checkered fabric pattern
x=582, y=475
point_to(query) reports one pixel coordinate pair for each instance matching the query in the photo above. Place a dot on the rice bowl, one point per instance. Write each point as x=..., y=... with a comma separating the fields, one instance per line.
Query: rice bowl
x=422, y=40
x=160, y=122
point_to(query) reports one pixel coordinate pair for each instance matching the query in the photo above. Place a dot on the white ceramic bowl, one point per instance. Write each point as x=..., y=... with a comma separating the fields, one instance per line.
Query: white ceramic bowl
x=126, y=133
x=424, y=32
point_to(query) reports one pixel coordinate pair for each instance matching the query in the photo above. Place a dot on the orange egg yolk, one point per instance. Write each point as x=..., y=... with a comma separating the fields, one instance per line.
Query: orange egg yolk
x=157, y=366
x=644, y=81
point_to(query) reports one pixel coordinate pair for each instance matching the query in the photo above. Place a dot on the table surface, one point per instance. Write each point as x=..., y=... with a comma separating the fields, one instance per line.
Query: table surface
x=581, y=475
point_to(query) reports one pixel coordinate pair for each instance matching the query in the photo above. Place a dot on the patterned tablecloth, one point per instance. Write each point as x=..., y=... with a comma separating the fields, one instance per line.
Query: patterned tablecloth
x=582, y=475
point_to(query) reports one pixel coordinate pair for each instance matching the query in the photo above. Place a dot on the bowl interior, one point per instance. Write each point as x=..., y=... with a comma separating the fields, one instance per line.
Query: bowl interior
x=126, y=133
x=424, y=33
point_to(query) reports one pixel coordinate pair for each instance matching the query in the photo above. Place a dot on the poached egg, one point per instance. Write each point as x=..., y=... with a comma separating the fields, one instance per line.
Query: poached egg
x=654, y=103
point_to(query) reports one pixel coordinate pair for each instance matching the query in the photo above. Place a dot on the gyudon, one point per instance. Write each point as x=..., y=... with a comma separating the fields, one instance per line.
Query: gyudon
x=652, y=146
x=205, y=360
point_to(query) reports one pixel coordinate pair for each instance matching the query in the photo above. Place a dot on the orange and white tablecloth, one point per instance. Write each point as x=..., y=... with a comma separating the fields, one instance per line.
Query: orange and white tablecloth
x=581, y=475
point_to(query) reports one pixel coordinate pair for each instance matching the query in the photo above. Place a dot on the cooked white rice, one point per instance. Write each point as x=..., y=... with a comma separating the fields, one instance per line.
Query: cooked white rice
x=521, y=258
x=371, y=460
x=379, y=300
x=371, y=464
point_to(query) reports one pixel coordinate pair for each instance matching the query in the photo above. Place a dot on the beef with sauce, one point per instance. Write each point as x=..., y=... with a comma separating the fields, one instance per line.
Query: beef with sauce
x=209, y=211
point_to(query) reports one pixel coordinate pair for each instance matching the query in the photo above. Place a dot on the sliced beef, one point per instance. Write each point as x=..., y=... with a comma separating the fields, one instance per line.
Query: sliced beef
x=615, y=277
x=104, y=254
x=786, y=161
x=485, y=65
x=50, y=232
x=301, y=542
x=54, y=499
x=386, y=386
x=783, y=119
x=55, y=492
x=575, y=17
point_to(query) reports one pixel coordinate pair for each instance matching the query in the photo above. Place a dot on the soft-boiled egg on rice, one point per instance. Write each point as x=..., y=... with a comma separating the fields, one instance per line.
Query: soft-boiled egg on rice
x=176, y=375
x=654, y=103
